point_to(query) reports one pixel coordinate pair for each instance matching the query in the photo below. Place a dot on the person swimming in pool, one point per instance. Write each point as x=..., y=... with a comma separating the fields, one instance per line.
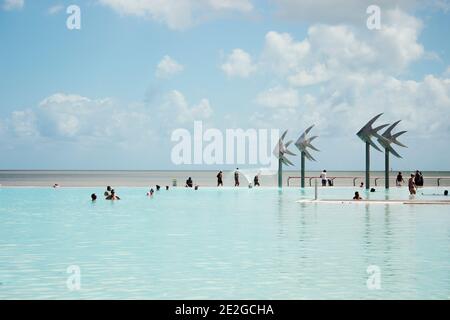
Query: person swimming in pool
x=93, y=197
x=357, y=196
x=437, y=194
x=150, y=193
x=112, y=196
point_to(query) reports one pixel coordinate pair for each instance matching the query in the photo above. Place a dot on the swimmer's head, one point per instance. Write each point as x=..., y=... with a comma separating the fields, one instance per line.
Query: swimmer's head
x=446, y=193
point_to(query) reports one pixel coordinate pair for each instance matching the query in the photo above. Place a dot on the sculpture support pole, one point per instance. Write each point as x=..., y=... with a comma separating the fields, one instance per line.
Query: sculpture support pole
x=386, y=168
x=367, y=165
x=280, y=173
x=302, y=170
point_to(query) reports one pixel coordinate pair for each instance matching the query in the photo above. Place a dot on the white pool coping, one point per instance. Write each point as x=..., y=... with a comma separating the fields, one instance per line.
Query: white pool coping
x=345, y=201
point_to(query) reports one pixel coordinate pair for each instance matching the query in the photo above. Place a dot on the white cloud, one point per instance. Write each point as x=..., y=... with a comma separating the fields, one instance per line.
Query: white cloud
x=338, y=11
x=177, y=14
x=88, y=121
x=24, y=123
x=346, y=73
x=175, y=109
x=238, y=63
x=397, y=41
x=9, y=5
x=282, y=54
x=238, y=5
x=168, y=67
x=278, y=97
x=343, y=105
x=318, y=74
x=331, y=50
x=57, y=8
x=447, y=72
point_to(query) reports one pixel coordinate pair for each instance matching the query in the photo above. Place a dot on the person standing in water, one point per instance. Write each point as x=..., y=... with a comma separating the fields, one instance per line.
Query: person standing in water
x=399, y=181
x=219, y=179
x=236, y=178
x=113, y=196
x=412, y=185
x=256, y=181
x=323, y=176
x=357, y=196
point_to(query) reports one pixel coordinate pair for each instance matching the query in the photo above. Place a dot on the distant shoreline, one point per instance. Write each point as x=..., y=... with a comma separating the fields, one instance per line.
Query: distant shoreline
x=205, y=178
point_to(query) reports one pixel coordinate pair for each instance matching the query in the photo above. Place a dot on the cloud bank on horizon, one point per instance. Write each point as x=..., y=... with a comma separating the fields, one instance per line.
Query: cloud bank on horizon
x=336, y=74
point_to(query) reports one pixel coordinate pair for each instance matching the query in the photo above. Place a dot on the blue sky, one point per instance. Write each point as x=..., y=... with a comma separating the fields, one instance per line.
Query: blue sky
x=95, y=98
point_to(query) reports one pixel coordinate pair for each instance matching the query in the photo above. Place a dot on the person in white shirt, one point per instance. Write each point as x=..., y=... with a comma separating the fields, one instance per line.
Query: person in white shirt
x=323, y=176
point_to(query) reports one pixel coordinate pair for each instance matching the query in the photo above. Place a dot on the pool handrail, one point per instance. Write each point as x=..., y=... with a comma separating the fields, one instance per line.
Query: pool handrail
x=355, y=178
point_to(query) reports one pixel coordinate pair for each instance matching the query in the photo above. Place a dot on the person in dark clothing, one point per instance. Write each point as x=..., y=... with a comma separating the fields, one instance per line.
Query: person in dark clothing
x=219, y=179
x=189, y=182
x=399, y=181
x=112, y=196
x=93, y=197
x=417, y=178
x=256, y=181
x=357, y=196
x=412, y=185
x=236, y=178
x=420, y=179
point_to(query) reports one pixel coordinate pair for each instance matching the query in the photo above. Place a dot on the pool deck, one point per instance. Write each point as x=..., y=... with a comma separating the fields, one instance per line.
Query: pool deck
x=345, y=201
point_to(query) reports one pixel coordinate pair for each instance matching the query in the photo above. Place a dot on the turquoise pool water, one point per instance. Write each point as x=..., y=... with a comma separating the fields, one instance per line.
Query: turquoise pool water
x=220, y=244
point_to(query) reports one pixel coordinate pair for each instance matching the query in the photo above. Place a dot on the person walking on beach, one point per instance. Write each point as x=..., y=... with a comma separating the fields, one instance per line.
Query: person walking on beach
x=399, y=181
x=236, y=178
x=323, y=176
x=256, y=181
x=219, y=179
x=411, y=185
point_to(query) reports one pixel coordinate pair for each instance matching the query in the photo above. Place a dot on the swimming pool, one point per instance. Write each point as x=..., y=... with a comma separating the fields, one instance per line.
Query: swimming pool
x=220, y=244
